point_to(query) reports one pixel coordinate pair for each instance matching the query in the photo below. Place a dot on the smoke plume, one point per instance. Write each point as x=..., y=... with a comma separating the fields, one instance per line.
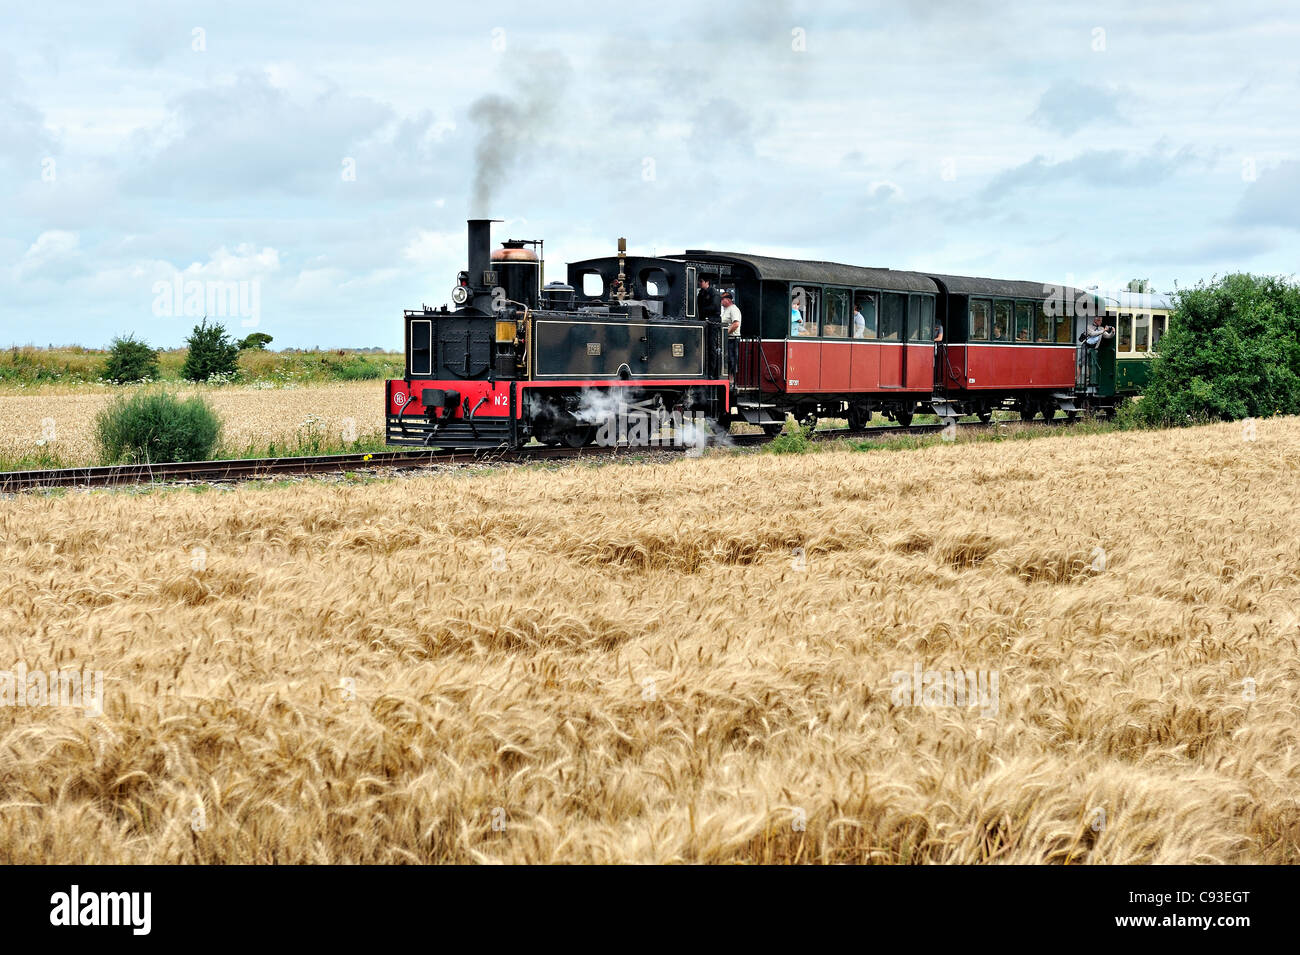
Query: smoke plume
x=510, y=124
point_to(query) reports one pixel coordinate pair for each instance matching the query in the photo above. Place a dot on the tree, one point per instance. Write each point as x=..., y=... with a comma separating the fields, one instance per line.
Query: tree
x=211, y=352
x=130, y=360
x=1232, y=351
x=256, y=342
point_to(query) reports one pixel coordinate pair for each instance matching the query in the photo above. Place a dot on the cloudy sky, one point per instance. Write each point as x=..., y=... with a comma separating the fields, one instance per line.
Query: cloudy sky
x=325, y=157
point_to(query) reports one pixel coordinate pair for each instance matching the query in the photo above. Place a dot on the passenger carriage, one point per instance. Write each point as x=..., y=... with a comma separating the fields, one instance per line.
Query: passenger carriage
x=803, y=353
x=1011, y=345
x=1140, y=320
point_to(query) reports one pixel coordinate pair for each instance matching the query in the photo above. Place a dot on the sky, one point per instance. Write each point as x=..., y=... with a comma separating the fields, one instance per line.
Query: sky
x=306, y=170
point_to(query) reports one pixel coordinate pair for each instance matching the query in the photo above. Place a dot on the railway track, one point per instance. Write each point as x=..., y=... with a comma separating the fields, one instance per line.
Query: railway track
x=252, y=469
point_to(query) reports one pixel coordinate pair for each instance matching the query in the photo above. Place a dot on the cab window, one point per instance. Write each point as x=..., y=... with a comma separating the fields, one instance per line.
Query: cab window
x=837, y=313
x=979, y=320
x=1024, y=319
x=1141, y=332
x=866, y=306
x=421, y=358
x=1001, y=321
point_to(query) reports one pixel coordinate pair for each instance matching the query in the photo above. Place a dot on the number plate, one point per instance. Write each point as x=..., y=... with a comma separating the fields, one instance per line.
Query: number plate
x=593, y=348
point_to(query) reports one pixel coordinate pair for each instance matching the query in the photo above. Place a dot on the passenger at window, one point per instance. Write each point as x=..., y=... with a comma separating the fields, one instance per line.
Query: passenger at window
x=999, y=331
x=731, y=322
x=859, y=323
x=796, y=317
x=1022, y=335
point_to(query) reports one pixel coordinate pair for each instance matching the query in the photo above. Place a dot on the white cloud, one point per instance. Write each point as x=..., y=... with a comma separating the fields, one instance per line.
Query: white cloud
x=53, y=255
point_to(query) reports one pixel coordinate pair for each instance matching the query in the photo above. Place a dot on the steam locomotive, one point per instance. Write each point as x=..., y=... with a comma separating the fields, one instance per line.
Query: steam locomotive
x=622, y=340
x=518, y=360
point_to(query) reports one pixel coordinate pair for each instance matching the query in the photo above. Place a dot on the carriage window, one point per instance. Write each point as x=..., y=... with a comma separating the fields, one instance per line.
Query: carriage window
x=593, y=286
x=1141, y=332
x=979, y=321
x=1043, y=322
x=927, y=318
x=913, y=318
x=1125, y=332
x=837, y=313
x=1024, y=319
x=804, y=311
x=865, y=309
x=1064, y=330
x=893, y=313
x=421, y=347
x=1001, y=321
x=1158, y=324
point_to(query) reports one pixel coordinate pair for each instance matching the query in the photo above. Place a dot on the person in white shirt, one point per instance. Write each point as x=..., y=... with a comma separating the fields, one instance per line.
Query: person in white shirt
x=731, y=322
x=859, y=323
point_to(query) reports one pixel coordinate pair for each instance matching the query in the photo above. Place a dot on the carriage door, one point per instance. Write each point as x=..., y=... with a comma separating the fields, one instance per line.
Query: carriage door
x=893, y=319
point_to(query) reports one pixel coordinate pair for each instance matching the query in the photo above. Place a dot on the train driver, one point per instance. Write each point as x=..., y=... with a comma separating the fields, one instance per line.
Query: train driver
x=706, y=300
x=938, y=331
x=731, y=322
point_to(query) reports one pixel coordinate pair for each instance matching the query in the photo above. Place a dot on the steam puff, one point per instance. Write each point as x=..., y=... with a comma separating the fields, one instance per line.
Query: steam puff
x=509, y=124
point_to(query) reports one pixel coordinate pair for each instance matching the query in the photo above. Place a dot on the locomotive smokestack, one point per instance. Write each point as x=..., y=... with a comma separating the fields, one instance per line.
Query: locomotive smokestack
x=480, y=250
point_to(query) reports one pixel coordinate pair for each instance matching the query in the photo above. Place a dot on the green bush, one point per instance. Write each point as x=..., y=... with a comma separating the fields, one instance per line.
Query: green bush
x=793, y=439
x=154, y=426
x=212, y=353
x=1232, y=351
x=130, y=360
x=357, y=369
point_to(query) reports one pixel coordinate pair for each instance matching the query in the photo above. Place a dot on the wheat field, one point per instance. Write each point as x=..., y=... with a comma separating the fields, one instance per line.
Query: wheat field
x=694, y=661
x=60, y=419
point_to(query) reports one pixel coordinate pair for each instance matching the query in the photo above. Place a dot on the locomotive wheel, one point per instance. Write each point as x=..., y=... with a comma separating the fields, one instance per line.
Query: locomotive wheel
x=858, y=418
x=1028, y=411
x=578, y=437
x=903, y=419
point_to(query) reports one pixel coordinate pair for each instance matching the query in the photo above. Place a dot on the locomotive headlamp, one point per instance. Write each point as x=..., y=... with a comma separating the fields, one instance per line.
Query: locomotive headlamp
x=460, y=295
